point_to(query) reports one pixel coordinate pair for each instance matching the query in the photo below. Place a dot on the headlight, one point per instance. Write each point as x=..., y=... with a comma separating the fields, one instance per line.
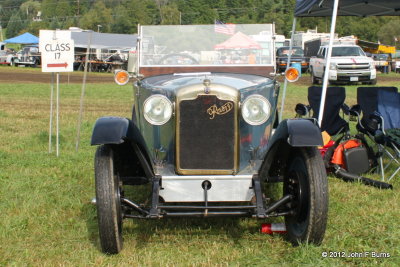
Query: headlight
x=256, y=110
x=332, y=66
x=157, y=109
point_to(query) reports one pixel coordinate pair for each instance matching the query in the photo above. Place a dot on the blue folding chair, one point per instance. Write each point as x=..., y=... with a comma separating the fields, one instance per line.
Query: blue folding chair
x=380, y=107
x=389, y=133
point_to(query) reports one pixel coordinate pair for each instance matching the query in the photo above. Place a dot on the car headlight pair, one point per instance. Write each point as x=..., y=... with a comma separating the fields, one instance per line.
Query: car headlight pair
x=158, y=109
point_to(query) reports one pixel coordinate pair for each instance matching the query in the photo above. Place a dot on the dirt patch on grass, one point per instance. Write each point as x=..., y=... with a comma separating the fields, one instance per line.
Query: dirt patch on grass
x=17, y=75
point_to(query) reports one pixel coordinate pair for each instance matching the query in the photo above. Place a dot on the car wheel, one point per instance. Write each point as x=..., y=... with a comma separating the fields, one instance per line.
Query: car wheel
x=306, y=181
x=35, y=63
x=373, y=82
x=313, y=79
x=108, y=201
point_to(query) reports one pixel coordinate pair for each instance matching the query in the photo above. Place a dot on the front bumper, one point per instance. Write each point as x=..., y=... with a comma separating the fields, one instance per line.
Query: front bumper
x=352, y=76
x=304, y=66
x=222, y=188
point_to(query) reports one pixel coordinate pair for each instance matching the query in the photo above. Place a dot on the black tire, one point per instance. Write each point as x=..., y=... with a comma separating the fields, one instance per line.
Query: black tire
x=108, y=202
x=373, y=81
x=306, y=180
x=313, y=79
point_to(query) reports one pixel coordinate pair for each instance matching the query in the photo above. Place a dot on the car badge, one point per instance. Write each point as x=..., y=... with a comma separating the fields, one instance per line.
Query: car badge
x=206, y=83
x=224, y=109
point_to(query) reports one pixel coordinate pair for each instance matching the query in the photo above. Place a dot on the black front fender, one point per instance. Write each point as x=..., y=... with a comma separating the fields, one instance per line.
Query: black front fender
x=290, y=134
x=116, y=130
x=111, y=130
x=126, y=136
x=297, y=133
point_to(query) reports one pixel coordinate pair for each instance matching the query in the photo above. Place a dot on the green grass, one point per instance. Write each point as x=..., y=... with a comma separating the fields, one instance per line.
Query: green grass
x=47, y=219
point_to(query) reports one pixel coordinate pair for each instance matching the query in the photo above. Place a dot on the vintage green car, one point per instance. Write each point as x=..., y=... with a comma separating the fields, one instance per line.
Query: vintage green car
x=205, y=137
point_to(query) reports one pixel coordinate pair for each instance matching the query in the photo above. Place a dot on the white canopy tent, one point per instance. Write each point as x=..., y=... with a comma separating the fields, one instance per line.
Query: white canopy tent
x=104, y=40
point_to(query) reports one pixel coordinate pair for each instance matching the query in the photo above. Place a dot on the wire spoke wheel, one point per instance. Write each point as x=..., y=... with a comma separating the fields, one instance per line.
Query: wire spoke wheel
x=108, y=201
x=306, y=181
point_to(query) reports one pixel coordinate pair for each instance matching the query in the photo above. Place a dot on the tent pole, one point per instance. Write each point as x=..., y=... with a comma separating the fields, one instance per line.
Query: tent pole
x=287, y=66
x=78, y=133
x=328, y=63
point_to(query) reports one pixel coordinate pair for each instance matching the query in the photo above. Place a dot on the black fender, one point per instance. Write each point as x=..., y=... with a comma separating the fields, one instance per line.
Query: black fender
x=297, y=133
x=289, y=134
x=111, y=130
x=126, y=137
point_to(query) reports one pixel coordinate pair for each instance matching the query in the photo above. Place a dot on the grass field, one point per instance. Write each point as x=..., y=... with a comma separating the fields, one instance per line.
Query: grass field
x=47, y=219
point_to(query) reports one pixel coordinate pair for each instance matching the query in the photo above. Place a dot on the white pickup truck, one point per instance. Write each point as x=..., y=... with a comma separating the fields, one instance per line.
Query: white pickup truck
x=348, y=64
x=6, y=56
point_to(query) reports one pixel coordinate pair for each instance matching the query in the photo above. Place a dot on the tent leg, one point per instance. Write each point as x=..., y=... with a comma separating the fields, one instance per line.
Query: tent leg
x=287, y=66
x=328, y=63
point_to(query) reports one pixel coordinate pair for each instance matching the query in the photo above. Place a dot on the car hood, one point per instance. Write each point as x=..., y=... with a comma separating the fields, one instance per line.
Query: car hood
x=355, y=60
x=174, y=81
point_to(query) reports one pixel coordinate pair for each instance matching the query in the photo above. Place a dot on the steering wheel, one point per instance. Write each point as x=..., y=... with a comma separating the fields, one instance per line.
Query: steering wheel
x=178, y=59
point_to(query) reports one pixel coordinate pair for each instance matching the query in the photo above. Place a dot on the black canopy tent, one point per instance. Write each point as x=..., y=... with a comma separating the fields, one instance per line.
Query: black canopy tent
x=333, y=8
x=362, y=8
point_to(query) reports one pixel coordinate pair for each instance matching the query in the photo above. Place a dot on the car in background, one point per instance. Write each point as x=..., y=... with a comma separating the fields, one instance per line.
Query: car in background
x=383, y=62
x=6, y=55
x=348, y=64
x=397, y=67
x=28, y=56
x=298, y=57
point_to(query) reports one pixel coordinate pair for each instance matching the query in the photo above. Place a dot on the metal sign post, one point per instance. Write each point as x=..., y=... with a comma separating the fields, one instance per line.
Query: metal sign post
x=51, y=111
x=58, y=115
x=57, y=52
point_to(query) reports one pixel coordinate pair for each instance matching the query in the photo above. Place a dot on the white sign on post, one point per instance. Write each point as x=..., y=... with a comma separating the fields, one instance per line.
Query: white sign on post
x=57, y=50
x=58, y=55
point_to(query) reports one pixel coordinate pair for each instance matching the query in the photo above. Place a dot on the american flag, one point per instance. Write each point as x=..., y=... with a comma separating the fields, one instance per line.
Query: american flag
x=225, y=28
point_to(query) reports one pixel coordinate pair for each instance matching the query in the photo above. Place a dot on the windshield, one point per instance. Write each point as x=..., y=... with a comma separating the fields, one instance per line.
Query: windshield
x=284, y=52
x=206, y=45
x=344, y=51
x=380, y=57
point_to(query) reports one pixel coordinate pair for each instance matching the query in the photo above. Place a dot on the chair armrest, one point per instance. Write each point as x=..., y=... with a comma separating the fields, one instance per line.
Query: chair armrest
x=355, y=110
x=375, y=121
x=302, y=110
x=345, y=109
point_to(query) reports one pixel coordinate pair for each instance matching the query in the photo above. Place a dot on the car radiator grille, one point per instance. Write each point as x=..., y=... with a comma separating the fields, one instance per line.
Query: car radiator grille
x=206, y=139
x=358, y=66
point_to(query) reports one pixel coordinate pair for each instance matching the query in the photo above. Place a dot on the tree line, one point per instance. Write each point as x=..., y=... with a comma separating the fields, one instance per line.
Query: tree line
x=123, y=16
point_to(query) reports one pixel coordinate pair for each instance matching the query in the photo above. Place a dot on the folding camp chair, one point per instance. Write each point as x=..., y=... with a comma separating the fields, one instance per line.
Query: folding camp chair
x=332, y=123
x=357, y=159
x=367, y=99
x=380, y=107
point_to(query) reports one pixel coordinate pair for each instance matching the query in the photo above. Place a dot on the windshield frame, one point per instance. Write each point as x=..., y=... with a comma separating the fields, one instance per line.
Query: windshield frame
x=347, y=51
x=153, y=48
